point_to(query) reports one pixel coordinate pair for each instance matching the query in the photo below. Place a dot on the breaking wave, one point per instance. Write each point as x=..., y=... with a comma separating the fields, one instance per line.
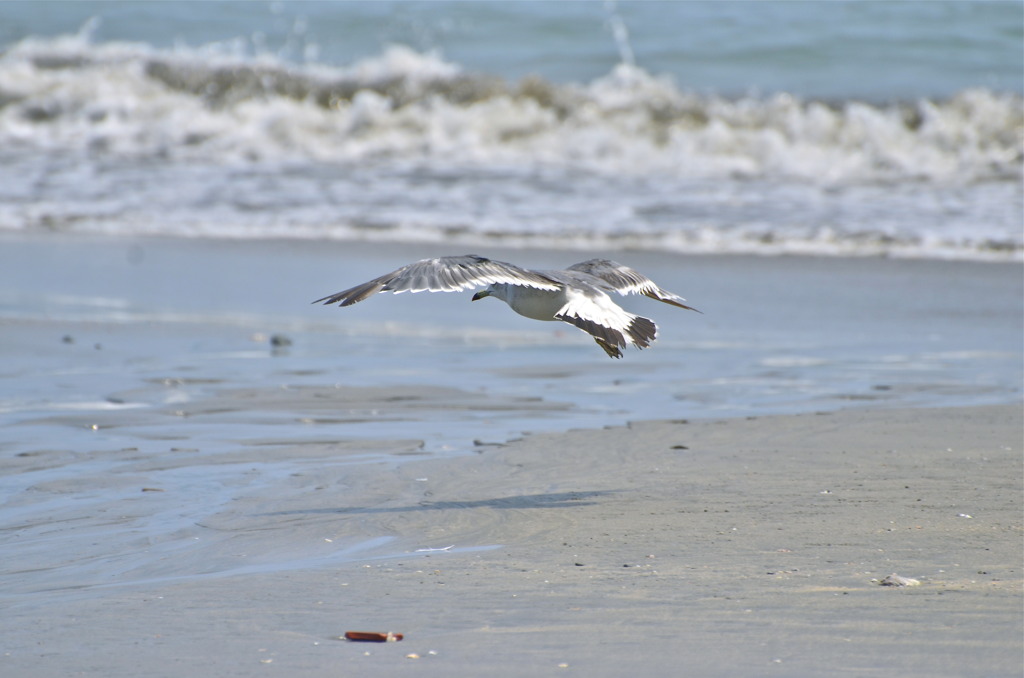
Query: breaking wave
x=82, y=115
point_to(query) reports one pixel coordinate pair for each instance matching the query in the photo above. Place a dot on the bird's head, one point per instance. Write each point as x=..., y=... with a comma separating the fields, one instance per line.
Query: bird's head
x=481, y=294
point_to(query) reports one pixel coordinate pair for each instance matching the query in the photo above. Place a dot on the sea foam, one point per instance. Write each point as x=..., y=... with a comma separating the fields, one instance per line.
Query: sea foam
x=693, y=171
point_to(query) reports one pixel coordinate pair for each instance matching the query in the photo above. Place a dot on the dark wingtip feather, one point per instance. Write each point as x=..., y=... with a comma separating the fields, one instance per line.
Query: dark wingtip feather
x=353, y=295
x=673, y=302
x=612, y=350
x=643, y=331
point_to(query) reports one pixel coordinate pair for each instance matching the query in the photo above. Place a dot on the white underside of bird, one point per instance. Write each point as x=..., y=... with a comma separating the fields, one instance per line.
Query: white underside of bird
x=577, y=295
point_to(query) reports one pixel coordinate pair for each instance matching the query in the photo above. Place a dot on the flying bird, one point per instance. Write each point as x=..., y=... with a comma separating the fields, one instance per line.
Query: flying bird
x=578, y=295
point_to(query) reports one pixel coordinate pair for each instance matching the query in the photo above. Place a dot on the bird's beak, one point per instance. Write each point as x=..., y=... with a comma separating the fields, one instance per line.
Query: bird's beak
x=481, y=294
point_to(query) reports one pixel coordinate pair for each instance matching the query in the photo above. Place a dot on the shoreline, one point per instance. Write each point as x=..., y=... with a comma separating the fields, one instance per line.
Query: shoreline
x=777, y=334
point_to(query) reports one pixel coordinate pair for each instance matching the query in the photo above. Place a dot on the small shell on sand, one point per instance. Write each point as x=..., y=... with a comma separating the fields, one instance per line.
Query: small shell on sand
x=896, y=580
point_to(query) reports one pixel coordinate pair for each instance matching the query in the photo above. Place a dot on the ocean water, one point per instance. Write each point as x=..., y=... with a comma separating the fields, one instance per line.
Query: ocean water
x=845, y=128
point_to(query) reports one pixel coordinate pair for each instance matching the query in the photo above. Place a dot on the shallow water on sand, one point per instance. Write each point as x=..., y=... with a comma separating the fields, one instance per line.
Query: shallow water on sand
x=95, y=316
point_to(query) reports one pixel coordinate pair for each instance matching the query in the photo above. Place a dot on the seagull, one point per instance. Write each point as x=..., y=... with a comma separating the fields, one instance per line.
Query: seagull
x=578, y=295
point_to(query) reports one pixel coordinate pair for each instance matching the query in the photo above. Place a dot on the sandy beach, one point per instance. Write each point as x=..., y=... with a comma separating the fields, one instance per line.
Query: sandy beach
x=748, y=546
x=184, y=496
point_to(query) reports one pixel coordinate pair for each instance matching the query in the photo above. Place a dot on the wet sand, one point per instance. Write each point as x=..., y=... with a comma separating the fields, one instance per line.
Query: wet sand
x=749, y=546
x=180, y=497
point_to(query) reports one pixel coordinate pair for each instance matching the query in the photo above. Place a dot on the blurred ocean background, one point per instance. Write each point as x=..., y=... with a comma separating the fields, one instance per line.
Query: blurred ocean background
x=834, y=128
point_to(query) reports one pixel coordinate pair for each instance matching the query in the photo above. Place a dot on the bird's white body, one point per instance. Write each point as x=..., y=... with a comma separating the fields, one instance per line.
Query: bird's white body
x=530, y=302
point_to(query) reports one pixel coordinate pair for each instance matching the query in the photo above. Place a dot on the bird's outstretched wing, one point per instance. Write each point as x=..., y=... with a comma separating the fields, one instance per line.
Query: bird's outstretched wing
x=443, y=274
x=624, y=280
